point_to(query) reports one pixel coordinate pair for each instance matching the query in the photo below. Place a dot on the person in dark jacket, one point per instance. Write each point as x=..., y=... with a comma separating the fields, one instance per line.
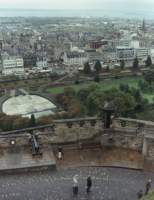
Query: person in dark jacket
x=89, y=184
x=140, y=194
x=148, y=187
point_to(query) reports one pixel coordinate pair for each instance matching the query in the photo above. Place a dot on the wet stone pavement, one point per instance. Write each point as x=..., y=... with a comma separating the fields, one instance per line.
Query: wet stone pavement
x=108, y=184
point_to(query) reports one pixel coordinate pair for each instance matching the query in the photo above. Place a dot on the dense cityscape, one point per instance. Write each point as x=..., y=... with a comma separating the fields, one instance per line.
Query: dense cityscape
x=62, y=60
x=60, y=45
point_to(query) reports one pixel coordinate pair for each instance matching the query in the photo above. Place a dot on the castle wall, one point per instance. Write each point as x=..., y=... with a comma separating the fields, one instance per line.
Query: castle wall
x=64, y=132
x=120, y=139
x=124, y=133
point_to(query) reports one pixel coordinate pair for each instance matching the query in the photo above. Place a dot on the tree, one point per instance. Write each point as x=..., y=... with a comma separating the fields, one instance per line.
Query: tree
x=122, y=64
x=75, y=108
x=20, y=123
x=148, y=61
x=136, y=94
x=77, y=79
x=77, y=82
x=32, y=121
x=6, y=123
x=107, y=68
x=98, y=66
x=69, y=91
x=83, y=94
x=92, y=104
x=124, y=103
x=96, y=78
x=149, y=77
x=135, y=63
x=141, y=84
x=94, y=87
x=45, y=120
x=124, y=87
x=87, y=68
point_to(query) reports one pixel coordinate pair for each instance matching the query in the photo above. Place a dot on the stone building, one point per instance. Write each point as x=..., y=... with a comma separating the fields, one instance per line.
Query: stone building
x=12, y=65
x=75, y=58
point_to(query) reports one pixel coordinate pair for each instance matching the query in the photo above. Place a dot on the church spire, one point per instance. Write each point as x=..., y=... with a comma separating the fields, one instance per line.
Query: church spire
x=143, y=26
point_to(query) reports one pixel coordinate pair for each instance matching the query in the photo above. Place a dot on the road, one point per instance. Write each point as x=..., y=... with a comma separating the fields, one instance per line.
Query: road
x=108, y=184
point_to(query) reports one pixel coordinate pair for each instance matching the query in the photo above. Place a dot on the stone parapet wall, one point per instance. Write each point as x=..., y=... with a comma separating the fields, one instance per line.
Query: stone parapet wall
x=62, y=133
x=139, y=136
x=131, y=123
x=120, y=139
x=19, y=141
x=150, y=149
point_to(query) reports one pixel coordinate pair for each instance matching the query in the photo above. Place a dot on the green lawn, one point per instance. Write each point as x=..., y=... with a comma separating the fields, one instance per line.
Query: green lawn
x=150, y=97
x=105, y=85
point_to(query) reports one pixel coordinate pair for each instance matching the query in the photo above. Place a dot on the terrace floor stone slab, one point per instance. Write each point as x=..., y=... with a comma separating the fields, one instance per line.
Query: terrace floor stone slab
x=17, y=158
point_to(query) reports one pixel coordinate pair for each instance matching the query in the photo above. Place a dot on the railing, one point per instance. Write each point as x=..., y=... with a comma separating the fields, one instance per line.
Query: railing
x=68, y=122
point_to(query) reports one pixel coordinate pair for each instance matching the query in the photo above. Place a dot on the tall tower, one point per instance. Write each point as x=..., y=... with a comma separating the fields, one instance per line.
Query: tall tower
x=1, y=41
x=143, y=26
x=143, y=29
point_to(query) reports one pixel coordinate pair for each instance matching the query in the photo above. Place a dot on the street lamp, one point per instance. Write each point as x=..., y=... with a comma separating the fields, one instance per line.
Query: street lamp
x=12, y=142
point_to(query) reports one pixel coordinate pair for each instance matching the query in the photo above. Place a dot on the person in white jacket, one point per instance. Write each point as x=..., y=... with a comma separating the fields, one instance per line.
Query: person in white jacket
x=75, y=184
x=60, y=153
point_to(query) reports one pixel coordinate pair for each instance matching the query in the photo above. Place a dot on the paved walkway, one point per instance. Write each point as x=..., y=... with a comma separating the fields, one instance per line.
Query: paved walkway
x=115, y=157
x=108, y=184
x=21, y=158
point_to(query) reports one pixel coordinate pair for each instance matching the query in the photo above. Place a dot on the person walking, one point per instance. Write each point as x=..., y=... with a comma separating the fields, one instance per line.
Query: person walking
x=75, y=185
x=140, y=194
x=89, y=184
x=60, y=153
x=148, y=187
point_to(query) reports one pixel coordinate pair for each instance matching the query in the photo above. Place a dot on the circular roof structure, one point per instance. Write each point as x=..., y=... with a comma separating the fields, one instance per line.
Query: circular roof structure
x=26, y=105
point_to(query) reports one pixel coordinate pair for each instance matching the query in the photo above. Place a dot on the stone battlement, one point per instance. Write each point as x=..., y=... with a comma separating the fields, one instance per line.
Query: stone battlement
x=136, y=135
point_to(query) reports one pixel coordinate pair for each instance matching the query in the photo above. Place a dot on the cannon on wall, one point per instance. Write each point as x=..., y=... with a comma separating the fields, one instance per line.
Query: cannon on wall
x=35, y=145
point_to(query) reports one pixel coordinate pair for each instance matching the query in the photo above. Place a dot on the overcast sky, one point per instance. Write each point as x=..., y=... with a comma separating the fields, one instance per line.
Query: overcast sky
x=77, y=4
